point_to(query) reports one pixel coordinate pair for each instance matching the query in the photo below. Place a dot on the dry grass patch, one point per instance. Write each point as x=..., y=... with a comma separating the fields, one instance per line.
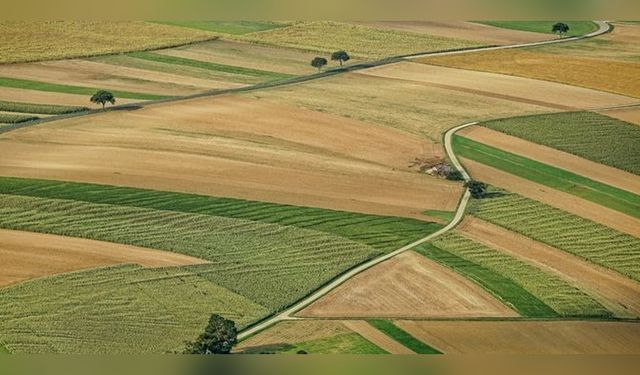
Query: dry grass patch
x=408, y=285
x=23, y=41
x=238, y=147
x=559, y=337
x=26, y=255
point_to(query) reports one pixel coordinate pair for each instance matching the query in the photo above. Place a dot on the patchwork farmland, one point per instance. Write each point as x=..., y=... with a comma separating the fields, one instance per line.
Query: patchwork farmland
x=325, y=209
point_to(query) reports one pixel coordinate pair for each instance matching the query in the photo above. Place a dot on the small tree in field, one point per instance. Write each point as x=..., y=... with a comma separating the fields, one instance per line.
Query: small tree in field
x=218, y=337
x=477, y=189
x=341, y=56
x=560, y=28
x=102, y=97
x=319, y=62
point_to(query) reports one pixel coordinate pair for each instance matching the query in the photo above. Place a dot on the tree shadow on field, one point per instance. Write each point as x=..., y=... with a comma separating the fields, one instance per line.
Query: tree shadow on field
x=267, y=349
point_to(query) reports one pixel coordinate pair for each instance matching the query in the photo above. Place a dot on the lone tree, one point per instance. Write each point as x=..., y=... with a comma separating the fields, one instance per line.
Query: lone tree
x=477, y=189
x=341, y=56
x=319, y=62
x=218, y=337
x=102, y=97
x=560, y=28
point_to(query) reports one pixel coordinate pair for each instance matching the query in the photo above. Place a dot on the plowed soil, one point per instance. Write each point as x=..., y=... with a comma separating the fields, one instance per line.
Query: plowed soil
x=408, y=285
x=26, y=255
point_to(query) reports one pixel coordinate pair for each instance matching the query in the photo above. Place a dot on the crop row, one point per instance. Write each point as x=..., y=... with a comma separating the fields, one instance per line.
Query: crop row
x=381, y=232
x=10, y=118
x=44, y=109
x=581, y=237
x=273, y=264
x=586, y=134
x=123, y=309
x=556, y=293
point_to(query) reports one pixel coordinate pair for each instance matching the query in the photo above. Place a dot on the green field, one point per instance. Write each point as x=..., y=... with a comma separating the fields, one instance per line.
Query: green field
x=556, y=293
x=576, y=28
x=445, y=216
x=237, y=70
x=3, y=349
x=586, y=134
x=359, y=41
x=573, y=234
x=44, y=109
x=67, y=89
x=403, y=337
x=381, y=232
x=503, y=288
x=226, y=27
x=11, y=118
x=124, y=309
x=345, y=343
x=597, y=192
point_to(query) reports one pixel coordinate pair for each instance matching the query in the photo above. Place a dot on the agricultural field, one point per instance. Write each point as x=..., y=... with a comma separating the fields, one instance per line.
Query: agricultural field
x=630, y=115
x=403, y=337
x=254, y=149
x=562, y=230
x=535, y=337
x=227, y=27
x=583, y=187
x=607, y=63
x=24, y=41
x=407, y=286
x=361, y=41
x=592, y=136
x=576, y=28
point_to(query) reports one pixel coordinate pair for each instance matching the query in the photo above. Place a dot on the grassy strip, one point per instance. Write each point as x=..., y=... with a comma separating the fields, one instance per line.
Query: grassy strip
x=44, y=109
x=3, y=349
x=445, y=216
x=562, y=230
x=271, y=264
x=117, y=310
x=226, y=27
x=576, y=28
x=597, y=192
x=67, y=89
x=403, y=337
x=381, y=232
x=503, y=288
x=553, y=291
x=346, y=343
x=209, y=65
x=8, y=118
x=589, y=135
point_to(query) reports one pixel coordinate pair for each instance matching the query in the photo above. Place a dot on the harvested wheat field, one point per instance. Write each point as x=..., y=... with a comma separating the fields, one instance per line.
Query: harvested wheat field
x=237, y=147
x=411, y=106
x=462, y=30
x=607, y=63
x=94, y=74
x=547, y=155
x=631, y=115
x=559, y=337
x=27, y=255
x=377, y=337
x=56, y=98
x=500, y=86
x=564, y=201
x=617, y=293
x=408, y=285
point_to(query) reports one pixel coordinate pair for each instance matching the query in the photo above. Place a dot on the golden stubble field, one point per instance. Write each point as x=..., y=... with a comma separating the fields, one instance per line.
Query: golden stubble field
x=239, y=147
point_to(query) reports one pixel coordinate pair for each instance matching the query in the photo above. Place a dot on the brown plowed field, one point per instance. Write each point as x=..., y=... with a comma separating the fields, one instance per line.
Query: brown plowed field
x=44, y=97
x=408, y=285
x=531, y=91
x=294, y=332
x=26, y=255
x=617, y=293
x=375, y=336
x=596, y=171
x=463, y=30
x=631, y=115
x=564, y=201
x=559, y=337
x=94, y=74
x=238, y=147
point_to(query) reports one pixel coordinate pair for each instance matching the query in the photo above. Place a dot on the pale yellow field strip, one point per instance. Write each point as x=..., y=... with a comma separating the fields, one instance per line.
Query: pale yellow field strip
x=377, y=337
x=547, y=155
x=631, y=115
x=407, y=285
x=44, y=97
x=550, y=337
x=550, y=94
x=564, y=201
x=617, y=293
x=26, y=255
